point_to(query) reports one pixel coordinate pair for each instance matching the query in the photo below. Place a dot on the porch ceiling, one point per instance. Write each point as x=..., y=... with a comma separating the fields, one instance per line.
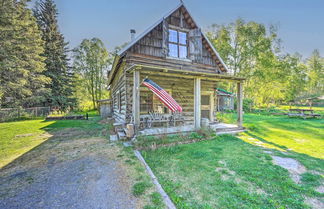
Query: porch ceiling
x=169, y=72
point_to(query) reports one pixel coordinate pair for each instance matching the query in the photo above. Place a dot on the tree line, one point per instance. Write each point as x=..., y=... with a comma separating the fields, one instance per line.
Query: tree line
x=253, y=51
x=36, y=70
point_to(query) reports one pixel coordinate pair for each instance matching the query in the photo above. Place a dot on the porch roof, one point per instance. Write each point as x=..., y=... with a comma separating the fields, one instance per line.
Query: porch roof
x=183, y=73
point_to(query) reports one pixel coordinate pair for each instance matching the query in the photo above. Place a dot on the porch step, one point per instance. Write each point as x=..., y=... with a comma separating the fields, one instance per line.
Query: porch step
x=118, y=126
x=228, y=129
x=121, y=135
x=113, y=137
x=233, y=132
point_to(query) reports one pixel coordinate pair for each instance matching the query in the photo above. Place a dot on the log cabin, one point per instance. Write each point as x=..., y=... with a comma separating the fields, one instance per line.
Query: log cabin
x=176, y=55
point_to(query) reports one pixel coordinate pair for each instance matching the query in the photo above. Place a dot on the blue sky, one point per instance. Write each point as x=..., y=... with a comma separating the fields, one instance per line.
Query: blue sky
x=301, y=22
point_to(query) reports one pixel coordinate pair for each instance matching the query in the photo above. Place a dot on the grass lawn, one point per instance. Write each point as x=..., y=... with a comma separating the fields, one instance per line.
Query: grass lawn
x=281, y=132
x=19, y=137
x=235, y=172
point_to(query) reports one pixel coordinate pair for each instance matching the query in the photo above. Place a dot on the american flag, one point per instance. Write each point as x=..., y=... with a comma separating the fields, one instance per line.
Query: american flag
x=163, y=96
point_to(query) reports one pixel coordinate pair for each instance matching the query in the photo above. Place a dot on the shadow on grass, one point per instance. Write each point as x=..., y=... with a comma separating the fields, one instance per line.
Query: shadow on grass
x=308, y=161
x=57, y=132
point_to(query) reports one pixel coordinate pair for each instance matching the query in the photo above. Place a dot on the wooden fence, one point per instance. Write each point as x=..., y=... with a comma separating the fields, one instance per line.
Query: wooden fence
x=8, y=114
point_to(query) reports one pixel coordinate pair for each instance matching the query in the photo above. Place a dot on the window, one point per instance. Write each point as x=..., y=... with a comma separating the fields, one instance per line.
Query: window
x=118, y=101
x=177, y=44
x=149, y=102
x=146, y=101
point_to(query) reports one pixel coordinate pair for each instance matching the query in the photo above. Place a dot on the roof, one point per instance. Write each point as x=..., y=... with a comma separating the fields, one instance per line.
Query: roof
x=133, y=42
x=130, y=44
x=223, y=91
x=121, y=53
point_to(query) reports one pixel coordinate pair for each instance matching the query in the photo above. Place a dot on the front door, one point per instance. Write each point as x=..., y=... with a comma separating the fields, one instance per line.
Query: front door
x=207, y=106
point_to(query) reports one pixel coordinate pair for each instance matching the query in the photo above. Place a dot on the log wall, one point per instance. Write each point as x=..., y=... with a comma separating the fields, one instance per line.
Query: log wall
x=182, y=91
x=118, y=86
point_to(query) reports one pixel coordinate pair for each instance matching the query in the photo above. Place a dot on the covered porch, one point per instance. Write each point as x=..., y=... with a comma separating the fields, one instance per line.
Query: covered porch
x=194, y=91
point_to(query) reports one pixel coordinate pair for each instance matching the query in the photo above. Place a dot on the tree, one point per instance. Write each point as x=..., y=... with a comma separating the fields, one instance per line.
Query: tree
x=249, y=50
x=91, y=61
x=56, y=59
x=295, y=76
x=315, y=74
x=21, y=64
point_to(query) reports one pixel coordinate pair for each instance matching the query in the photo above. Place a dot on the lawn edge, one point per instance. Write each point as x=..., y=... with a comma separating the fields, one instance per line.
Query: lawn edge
x=166, y=199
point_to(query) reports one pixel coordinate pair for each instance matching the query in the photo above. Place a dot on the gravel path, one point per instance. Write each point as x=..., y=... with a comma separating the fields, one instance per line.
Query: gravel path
x=82, y=174
x=84, y=183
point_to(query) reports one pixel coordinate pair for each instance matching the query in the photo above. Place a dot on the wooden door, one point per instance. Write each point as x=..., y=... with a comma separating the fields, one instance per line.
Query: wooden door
x=207, y=106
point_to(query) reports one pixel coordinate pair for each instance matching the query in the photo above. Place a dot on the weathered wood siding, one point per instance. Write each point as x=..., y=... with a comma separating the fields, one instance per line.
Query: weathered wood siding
x=170, y=63
x=153, y=44
x=175, y=19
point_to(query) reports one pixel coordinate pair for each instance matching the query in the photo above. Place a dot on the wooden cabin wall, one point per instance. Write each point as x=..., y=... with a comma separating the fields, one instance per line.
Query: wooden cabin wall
x=207, y=58
x=182, y=91
x=152, y=43
x=174, y=19
x=169, y=63
x=129, y=97
x=118, y=86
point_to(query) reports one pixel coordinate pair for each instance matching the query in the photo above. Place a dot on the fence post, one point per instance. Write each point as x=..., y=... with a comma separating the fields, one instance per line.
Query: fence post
x=87, y=116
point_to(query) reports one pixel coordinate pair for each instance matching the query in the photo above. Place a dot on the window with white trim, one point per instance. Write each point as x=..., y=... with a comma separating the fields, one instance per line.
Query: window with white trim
x=178, y=44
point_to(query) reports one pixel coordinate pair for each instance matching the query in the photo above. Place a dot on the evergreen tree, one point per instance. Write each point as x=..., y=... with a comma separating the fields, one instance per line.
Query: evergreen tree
x=56, y=59
x=21, y=64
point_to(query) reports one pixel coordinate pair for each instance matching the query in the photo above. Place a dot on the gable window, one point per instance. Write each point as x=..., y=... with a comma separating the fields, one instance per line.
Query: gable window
x=177, y=44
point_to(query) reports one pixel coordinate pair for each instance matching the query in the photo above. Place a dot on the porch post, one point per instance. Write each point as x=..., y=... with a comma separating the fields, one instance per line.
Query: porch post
x=240, y=104
x=136, y=99
x=197, y=97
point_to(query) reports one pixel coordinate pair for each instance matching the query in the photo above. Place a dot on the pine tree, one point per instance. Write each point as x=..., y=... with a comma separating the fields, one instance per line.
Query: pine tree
x=21, y=66
x=56, y=58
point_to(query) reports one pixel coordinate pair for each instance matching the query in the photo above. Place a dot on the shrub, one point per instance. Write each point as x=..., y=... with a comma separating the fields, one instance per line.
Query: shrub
x=139, y=188
x=247, y=105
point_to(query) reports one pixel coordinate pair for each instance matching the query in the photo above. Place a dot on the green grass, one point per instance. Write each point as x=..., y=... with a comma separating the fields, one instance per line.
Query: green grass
x=281, y=132
x=19, y=137
x=151, y=142
x=225, y=173
x=143, y=187
x=234, y=172
x=139, y=188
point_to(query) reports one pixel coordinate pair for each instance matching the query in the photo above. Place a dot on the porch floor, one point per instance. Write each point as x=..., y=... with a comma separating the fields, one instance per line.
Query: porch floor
x=219, y=128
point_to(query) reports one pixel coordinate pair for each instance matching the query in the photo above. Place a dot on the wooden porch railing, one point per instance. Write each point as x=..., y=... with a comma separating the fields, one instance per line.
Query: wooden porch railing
x=155, y=119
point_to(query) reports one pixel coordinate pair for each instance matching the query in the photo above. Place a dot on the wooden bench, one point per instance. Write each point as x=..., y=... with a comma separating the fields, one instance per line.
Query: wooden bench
x=154, y=119
x=304, y=113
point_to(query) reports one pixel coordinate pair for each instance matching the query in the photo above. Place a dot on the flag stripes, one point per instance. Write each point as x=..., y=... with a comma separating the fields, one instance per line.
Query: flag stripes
x=163, y=96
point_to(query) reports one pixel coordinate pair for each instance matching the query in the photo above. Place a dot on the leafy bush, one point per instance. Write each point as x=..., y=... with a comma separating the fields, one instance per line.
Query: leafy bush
x=247, y=105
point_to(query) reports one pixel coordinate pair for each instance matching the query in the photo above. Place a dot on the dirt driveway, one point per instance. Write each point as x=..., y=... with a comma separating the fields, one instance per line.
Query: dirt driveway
x=68, y=171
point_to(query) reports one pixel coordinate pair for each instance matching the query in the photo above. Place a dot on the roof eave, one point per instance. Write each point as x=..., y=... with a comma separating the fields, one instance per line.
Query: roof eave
x=113, y=69
x=130, y=44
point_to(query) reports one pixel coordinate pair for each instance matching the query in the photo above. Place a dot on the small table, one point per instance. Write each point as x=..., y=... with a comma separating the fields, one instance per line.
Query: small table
x=302, y=113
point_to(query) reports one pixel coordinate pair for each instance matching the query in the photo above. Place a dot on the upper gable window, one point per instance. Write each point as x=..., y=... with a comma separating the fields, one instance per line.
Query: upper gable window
x=177, y=44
